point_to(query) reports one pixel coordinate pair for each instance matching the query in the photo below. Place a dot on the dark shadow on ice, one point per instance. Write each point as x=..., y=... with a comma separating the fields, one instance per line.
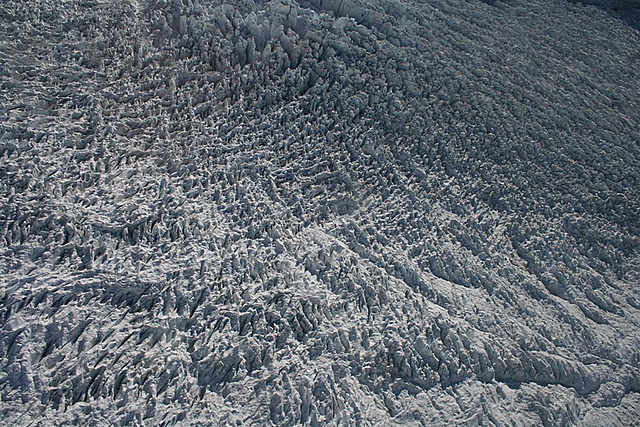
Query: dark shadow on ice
x=627, y=10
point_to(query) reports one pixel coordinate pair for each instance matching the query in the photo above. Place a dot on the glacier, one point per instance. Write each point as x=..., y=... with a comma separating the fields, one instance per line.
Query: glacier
x=320, y=212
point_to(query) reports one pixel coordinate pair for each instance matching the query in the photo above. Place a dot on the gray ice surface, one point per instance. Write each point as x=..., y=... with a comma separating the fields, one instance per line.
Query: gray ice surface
x=335, y=212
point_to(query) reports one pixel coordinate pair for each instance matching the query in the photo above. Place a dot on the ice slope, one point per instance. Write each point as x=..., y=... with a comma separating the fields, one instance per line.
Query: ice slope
x=319, y=212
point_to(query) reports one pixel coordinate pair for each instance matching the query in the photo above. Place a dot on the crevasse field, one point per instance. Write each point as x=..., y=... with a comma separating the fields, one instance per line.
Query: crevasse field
x=382, y=212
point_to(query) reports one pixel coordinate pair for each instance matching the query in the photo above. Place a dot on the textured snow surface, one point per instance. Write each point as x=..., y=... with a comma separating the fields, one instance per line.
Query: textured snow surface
x=326, y=212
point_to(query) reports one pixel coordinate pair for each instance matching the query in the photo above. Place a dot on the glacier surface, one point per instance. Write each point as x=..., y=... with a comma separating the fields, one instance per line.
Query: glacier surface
x=320, y=212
